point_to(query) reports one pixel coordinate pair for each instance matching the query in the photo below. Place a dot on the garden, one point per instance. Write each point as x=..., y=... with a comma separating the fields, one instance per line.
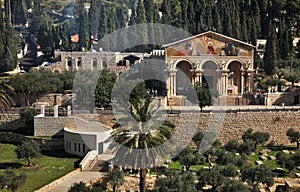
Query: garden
x=45, y=168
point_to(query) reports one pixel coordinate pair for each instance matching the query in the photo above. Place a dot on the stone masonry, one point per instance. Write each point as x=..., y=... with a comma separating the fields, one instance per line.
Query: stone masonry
x=229, y=125
x=232, y=125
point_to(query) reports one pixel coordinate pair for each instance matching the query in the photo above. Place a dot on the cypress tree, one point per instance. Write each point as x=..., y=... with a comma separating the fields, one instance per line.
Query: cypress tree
x=244, y=31
x=284, y=40
x=140, y=13
x=84, y=35
x=263, y=4
x=150, y=13
x=44, y=34
x=166, y=11
x=18, y=12
x=270, y=55
x=208, y=16
x=9, y=40
x=193, y=20
x=227, y=22
x=216, y=20
x=94, y=16
x=183, y=19
x=236, y=22
x=103, y=27
x=132, y=20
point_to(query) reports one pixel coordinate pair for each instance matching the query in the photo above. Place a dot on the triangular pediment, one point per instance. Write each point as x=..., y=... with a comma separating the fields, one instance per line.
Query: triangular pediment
x=212, y=35
x=209, y=43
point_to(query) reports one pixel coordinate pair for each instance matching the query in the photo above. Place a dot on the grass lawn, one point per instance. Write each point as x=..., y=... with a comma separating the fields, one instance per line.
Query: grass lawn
x=48, y=167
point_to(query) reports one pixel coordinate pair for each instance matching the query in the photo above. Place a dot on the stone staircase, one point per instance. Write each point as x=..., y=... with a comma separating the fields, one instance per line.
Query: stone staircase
x=100, y=166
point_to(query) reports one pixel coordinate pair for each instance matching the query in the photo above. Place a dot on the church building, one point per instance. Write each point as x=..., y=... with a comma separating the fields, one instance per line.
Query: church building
x=225, y=64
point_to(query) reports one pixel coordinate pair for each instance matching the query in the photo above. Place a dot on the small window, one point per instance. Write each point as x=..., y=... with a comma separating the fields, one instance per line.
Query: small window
x=104, y=62
x=83, y=148
x=69, y=145
x=79, y=63
x=95, y=64
x=78, y=147
x=75, y=147
x=69, y=62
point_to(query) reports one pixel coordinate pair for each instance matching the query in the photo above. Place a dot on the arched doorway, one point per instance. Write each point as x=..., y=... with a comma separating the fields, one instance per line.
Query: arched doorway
x=183, y=77
x=234, y=78
x=210, y=76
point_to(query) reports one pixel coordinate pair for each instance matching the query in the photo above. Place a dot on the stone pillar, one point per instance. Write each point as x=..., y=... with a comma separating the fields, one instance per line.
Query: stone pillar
x=224, y=81
x=242, y=81
x=43, y=110
x=219, y=82
x=249, y=80
x=69, y=110
x=171, y=84
x=198, y=78
x=55, y=110
x=174, y=83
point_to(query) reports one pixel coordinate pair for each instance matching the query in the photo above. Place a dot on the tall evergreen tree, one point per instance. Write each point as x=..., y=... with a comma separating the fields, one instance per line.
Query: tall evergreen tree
x=150, y=13
x=140, y=13
x=270, y=55
x=9, y=40
x=45, y=36
x=84, y=35
x=94, y=16
x=166, y=12
x=183, y=18
x=217, y=20
x=132, y=20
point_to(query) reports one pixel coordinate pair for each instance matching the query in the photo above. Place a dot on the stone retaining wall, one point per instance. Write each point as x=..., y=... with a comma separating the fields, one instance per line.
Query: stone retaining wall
x=232, y=125
x=46, y=144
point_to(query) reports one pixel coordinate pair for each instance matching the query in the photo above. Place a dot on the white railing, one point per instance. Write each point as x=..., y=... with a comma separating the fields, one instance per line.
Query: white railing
x=86, y=161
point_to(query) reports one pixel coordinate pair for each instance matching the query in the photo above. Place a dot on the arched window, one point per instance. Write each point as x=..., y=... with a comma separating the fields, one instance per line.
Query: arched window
x=69, y=63
x=104, y=62
x=94, y=63
x=79, y=63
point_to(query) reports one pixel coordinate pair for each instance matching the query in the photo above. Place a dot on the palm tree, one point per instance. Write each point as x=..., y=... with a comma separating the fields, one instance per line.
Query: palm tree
x=5, y=99
x=141, y=137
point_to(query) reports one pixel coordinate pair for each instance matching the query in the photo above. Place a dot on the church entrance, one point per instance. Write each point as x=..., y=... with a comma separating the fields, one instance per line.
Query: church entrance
x=234, y=78
x=183, y=77
x=209, y=76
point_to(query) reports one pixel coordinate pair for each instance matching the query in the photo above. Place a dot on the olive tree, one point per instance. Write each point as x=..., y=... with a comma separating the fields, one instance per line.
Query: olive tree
x=28, y=149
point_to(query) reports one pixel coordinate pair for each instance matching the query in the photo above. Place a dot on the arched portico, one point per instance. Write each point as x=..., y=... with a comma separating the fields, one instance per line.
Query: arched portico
x=235, y=78
x=183, y=76
x=210, y=74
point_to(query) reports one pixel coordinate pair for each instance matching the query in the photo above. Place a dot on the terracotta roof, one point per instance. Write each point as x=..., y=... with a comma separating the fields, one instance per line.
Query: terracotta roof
x=75, y=38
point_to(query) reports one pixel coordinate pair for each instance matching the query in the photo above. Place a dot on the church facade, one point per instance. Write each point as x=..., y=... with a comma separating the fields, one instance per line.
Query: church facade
x=223, y=63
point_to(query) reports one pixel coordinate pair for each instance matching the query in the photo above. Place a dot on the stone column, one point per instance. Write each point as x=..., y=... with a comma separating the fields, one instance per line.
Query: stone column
x=224, y=81
x=219, y=82
x=242, y=81
x=55, y=110
x=43, y=110
x=198, y=78
x=69, y=110
x=249, y=80
x=174, y=83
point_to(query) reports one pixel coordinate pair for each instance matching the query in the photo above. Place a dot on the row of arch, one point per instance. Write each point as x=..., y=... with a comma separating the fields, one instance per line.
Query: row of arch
x=95, y=65
x=232, y=77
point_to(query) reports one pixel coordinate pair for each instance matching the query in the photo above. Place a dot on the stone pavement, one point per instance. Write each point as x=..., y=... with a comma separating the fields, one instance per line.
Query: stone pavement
x=64, y=183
